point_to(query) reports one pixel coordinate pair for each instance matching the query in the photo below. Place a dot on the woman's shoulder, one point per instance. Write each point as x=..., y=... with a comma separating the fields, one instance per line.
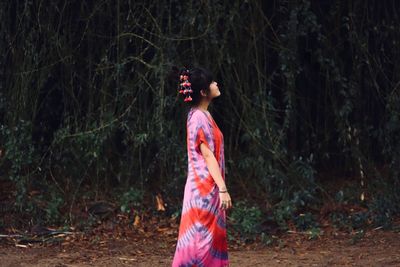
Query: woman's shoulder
x=197, y=117
x=196, y=114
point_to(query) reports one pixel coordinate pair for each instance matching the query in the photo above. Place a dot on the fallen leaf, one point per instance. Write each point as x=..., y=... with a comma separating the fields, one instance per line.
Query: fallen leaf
x=160, y=202
x=136, y=223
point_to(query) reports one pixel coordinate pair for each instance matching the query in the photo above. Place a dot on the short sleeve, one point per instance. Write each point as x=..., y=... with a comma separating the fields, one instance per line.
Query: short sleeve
x=202, y=137
x=201, y=132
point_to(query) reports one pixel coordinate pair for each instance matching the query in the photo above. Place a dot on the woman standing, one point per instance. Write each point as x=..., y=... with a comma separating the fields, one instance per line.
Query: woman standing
x=202, y=239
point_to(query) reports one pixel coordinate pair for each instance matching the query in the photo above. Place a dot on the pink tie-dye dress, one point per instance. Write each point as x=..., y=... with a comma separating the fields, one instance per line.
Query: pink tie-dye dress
x=202, y=239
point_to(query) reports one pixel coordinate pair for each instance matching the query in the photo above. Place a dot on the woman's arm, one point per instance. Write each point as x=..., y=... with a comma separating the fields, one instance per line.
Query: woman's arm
x=215, y=172
x=212, y=166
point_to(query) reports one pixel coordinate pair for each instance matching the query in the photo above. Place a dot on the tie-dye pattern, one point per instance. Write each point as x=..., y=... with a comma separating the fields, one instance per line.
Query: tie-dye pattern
x=202, y=240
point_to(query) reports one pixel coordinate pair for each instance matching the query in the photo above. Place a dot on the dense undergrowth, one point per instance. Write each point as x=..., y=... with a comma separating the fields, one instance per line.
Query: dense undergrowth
x=87, y=112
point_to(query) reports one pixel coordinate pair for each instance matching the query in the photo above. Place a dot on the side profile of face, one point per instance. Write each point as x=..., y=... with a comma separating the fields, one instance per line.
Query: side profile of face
x=213, y=92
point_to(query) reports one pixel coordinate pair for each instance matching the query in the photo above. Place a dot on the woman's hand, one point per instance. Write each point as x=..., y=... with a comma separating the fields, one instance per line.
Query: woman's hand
x=215, y=171
x=225, y=201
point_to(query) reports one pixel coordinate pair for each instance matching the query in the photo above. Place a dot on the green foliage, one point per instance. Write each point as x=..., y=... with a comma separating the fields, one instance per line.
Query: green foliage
x=349, y=221
x=305, y=85
x=384, y=202
x=291, y=210
x=20, y=158
x=382, y=209
x=266, y=239
x=314, y=232
x=246, y=220
x=305, y=221
x=87, y=152
x=283, y=212
x=53, y=213
x=131, y=200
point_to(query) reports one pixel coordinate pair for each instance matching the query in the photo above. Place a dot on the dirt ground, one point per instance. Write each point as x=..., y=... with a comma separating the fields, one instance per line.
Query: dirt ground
x=374, y=248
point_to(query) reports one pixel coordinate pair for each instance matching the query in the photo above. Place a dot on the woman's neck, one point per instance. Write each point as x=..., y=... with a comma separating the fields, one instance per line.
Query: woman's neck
x=203, y=106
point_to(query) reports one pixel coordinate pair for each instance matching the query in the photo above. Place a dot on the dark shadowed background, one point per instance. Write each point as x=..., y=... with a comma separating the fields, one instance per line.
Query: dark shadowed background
x=309, y=106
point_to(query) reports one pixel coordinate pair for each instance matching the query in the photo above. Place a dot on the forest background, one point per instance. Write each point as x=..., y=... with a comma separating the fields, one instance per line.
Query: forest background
x=309, y=108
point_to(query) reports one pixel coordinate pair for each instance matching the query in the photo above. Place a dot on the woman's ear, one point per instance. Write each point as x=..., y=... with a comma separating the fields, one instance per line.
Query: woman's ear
x=203, y=93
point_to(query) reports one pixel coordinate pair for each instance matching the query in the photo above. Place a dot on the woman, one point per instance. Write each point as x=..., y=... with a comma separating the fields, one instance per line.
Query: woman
x=202, y=239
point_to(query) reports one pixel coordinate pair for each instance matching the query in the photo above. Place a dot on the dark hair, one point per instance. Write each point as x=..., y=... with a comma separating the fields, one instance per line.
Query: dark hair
x=200, y=78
